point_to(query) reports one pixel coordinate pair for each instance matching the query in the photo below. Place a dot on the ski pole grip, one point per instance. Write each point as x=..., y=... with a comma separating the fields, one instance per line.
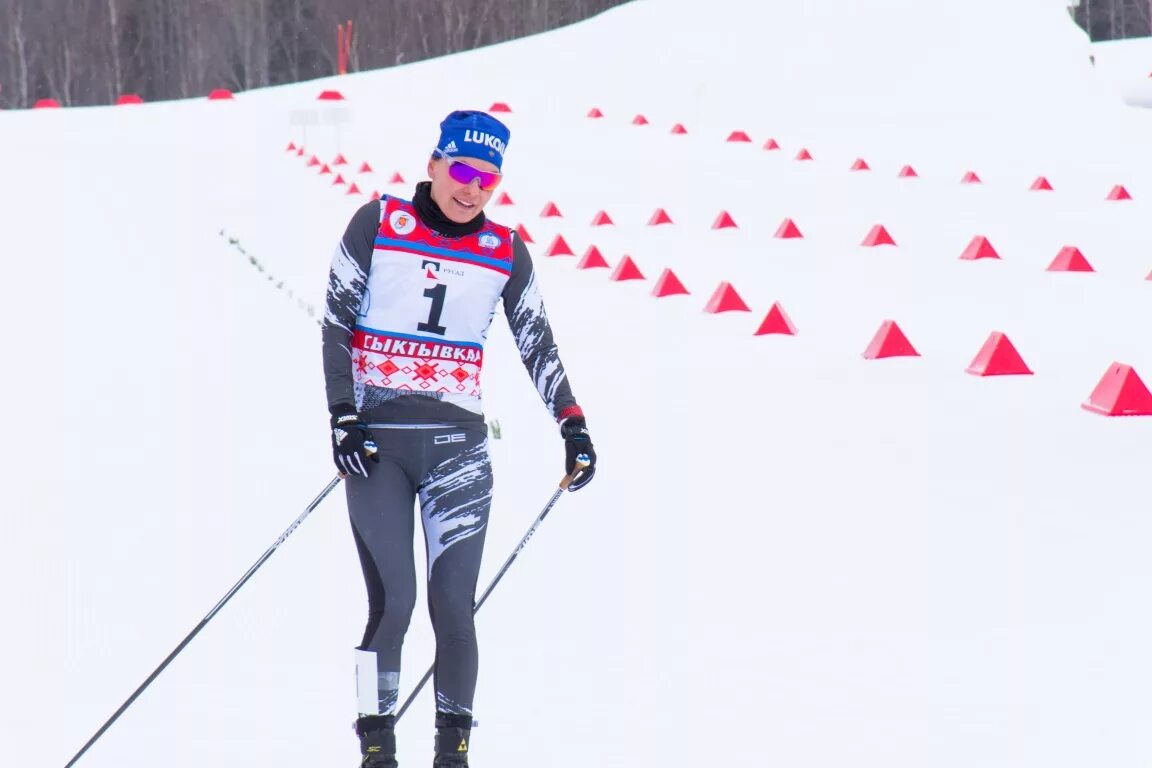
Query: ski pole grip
x=581, y=465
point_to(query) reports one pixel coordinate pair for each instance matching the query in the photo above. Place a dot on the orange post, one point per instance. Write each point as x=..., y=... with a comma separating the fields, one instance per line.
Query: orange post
x=348, y=46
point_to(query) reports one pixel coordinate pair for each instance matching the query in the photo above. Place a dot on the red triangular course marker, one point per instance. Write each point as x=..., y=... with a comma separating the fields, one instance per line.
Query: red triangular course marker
x=375, y=194
x=908, y=172
x=353, y=189
x=338, y=180
x=499, y=106
x=313, y=161
x=771, y=145
x=979, y=248
x=861, y=165
x=330, y=96
x=659, y=217
x=129, y=98
x=220, y=94
x=591, y=259
x=340, y=160
x=523, y=234
x=396, y=178
x=551, y=210
x=803, y=155
x=291, y=147
x=639, y=120
x=559, y=247
x=1120, y=392
x=668, y=285
x=595, y=112
x=1070, y=259
x=724, y=221
x=878, y=235
x=1041, y=185
x=601, y=219
x=739, y=136
x=725, y=299
x=626, y=270
x=776, y=321
x=788, y=230
x=504, y=199
x=970, y=178
x=1119, y=193
x=679, y=129
x=890, y=341
x=324, y=169
x=365, y=168
x=998, y=357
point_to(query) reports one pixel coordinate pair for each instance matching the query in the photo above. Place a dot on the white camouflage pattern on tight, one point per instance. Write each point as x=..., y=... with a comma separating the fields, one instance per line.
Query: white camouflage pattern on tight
x=445, y=704
x=455, y=500
x=389, y=698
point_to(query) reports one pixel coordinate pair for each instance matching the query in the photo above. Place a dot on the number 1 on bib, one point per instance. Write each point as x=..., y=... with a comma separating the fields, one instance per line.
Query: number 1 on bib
x=436, y=293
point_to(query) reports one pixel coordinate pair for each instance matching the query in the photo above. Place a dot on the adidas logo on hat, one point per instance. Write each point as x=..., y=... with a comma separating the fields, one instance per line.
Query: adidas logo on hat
x=468, y=133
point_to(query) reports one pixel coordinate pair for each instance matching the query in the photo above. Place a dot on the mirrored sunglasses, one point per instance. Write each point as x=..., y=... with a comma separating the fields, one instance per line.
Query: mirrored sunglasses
x=462, y=173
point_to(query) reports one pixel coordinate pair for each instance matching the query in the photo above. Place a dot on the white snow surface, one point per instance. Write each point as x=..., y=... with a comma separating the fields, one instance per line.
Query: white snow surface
x=790, y=555
x=1126, y=65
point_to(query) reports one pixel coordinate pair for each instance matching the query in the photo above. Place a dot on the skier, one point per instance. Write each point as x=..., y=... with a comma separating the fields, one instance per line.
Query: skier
x=412, y=291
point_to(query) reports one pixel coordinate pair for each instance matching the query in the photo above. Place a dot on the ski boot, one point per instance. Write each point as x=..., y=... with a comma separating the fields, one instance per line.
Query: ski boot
x=377, y=741
x=453, y=733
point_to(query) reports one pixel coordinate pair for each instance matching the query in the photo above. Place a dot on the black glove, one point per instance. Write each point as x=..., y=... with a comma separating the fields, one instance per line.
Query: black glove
x=578, y=443
x=352, y=443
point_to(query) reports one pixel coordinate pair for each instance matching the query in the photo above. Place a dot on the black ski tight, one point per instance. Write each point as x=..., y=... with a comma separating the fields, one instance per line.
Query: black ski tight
x=447, y=469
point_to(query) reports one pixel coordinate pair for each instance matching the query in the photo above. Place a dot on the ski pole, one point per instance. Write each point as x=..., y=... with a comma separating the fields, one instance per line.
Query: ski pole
x=581, y=463
x=123, y=707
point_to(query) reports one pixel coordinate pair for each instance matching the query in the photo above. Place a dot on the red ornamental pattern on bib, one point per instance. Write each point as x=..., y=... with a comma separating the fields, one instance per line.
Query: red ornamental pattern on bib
x=431, y=300
x=416, y=365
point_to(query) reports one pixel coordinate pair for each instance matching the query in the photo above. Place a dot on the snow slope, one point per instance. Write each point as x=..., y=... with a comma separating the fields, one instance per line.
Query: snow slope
x=791, y=555
x=1127, y=66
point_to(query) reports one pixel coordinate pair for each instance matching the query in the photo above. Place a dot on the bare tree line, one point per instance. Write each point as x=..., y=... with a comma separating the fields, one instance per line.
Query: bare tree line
x=92, y=51
x=83, y=52
x=1115, y=19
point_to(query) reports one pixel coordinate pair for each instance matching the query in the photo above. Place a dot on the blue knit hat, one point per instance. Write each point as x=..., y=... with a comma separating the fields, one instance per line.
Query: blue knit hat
x=468, y=133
